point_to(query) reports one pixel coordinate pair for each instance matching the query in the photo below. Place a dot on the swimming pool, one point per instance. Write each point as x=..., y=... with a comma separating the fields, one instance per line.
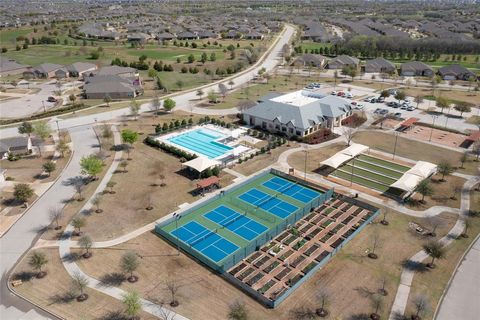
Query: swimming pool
x=202, y=141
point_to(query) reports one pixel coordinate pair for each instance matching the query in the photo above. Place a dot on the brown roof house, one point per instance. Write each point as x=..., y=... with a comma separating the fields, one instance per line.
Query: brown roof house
x=379, y=65
x=16, y=146
x=416, y=68
x=343, y=61
x=456, y=72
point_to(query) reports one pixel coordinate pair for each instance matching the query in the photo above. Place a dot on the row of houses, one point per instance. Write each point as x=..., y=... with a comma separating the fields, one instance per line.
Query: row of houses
x=381, y=65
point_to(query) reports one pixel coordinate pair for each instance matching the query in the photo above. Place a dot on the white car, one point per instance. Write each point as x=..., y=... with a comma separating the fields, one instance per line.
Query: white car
x=359, y=106
x=334, y=93
x=348, y=95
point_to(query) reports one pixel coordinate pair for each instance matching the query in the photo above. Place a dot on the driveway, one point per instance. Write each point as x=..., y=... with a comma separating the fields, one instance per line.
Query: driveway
x=463, y=296
x=29, y=227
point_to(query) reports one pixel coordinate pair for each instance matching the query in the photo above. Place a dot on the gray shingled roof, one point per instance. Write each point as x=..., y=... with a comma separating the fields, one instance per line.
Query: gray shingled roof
x=302, y=117
x=344, y=59
x=455, y=69
x=414, y=66
x=380, y=63
x=80, y=66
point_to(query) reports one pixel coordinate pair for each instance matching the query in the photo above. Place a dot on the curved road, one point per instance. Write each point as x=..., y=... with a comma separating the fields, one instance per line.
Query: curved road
x=184, y=100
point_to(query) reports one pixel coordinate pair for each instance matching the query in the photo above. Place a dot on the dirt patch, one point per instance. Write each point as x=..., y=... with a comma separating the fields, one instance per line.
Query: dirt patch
x=446, y=138
x=261, y=161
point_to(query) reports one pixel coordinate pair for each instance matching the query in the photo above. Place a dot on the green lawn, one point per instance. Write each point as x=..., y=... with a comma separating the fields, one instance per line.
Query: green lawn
x=60, y=54
x=359, y=180
x=367, y=174
x=375, y=168
x=8, y=37
x=172, y=53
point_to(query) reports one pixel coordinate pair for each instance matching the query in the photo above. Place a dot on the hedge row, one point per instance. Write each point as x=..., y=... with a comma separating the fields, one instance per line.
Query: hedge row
x=46, y=114
x=169, y=149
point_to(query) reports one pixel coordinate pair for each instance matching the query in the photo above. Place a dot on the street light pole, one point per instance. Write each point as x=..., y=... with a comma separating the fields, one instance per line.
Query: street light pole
x=395, y=144
x=353, y=167
x=433, y=125
x=305, y=170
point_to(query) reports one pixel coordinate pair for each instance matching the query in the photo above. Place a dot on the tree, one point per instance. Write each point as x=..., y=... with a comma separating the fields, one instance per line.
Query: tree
x=323, y=297
x=49, y=167
x=237, y=311
x=418, y=99
x=42, y=131
x=79, y=184
x=425, y=189
x=78, y=223
x=169, y=104
x=434, y=223
x=400, y=95
x=462, y=107
x=22, y=192
x=223, y=90
x=445, y=169
x=420, y=303
x=62, y=147
x=212, y=96
x=124, y=165
x=179, y=84
x=376, y=241
x=231, y=83
x=134, y=108
x=200, y=93
x=55, y=215
x=25, y=128
x=110, y=185
x=191, y=58
x=107, y=99
x=129, y=264
x=349, y=134
x=37, y=261
x=132, y=303
x=96, y=201
x=463, y=159
x=80, y=283
x=172, y=286
x=377, y=301
x=152, y=73
x=72, y=98
x=85, y=242
x=384, y=94
x=442, y=103
x=435, y=250
x=156, y=104
x=91, y=165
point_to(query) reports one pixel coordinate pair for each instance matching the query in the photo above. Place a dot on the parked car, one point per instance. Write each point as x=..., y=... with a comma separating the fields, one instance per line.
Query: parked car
x=392, y=92
x=404, y=107
x=383, y=112
x=348, y=95
x=398, y=115
x=373, y=100
x=353, y=103
x=390, y=104
x=359, y=106
x=367, y=99
x=334, y=93
x=380, y=99
x=51, y=99
x=411, y=108
x=341, y=94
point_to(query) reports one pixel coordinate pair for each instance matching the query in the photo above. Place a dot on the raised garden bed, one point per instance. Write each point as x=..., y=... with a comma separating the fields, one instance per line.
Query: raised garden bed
x=337, y=242
x=282, y=274
x=337, y=228
x=327, y=223
x=287, y=254
x=326, y=237
x=299, y=244
x=327, y=211
x=297, y=261
x=311, y=250
x=312, y=234
x=347, y=219
x=255, y=279
x=357, y=211
x=245, y=273
x=294, y=280
x=278, y=293
x=261, y=261
x=290, y=239
x=322, y=256
x=267, y=286
x=337, y=214
x=235, y=270
x=306, y=228
x=272, y=266
x=309, y=267
x=282, y=236
x=254, y=257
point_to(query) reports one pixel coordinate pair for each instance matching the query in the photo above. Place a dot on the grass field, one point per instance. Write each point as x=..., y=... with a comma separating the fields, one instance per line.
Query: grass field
x=371, y=172
x=230, y=200
x=9, y=36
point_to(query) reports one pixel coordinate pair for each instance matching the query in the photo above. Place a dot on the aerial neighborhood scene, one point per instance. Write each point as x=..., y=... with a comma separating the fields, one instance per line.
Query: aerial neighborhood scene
x=240, y=160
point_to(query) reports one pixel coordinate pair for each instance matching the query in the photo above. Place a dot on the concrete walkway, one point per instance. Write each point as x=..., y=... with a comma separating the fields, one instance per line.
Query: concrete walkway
x=401, y=298
x=72, y=268
x=463, y=295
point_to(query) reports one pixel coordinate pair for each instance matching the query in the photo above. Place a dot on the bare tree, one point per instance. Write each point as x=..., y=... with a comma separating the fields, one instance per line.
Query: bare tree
x=237, y=311
x=376, y=243
x=302, y=313
x=96, y=201
x=85, y=242
x=223, y=90
x=384, y=220
x=323, y=297
x=79, y=185
x=421, y=305
x=349, y=134
x=434, y=223
x=172, y=286
x=377, y=302
x=79, y=284
x=55, y=214
x=383, y=285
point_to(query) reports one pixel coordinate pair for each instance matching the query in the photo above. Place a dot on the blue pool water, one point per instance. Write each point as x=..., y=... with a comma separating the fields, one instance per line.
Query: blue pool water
x=201, y=141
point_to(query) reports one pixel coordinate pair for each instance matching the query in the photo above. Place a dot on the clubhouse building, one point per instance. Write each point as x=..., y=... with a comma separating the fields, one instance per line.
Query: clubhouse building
x=298, y=113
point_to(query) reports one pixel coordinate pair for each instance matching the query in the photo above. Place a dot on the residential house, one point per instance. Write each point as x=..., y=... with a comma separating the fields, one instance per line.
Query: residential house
x=114, y=86
x=232, y=34
x=62, y=73
x=456, y=72
x=379, y=65
x=253, y=35
x=11, y=67
x=343, y=61
x=138, y=37
x=78, y=69
x=416, y=68
x=165, y=36
x=187, y=35
x=117, y=70
x=298, y=113
x=44, y=70
x=312, y=60
x=16, y=146
x=207, y=35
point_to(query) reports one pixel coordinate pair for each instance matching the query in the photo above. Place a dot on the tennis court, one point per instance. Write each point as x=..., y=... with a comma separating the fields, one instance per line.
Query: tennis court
x=269, y=203
x=205, y=241
x=291, y=189
x=236, y=222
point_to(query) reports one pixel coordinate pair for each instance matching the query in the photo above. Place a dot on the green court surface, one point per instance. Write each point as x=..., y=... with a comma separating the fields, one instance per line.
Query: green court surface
x=371, y=172
x=231, y=200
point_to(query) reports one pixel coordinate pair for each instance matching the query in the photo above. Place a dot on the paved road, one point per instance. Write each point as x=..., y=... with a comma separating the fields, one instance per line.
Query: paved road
x=184, y=100
x=462, y=300
x=29, y=228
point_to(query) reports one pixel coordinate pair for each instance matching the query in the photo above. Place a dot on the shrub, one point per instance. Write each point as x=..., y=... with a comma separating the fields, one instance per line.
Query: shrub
x=169, y=149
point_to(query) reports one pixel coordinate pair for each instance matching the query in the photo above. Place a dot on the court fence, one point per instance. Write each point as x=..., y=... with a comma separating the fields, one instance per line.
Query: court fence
x=259, y=241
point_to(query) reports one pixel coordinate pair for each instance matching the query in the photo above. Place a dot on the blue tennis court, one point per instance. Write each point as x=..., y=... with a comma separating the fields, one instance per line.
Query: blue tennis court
x=268, y=203
x=209, y=243
x=236, y=222
x=291, y=189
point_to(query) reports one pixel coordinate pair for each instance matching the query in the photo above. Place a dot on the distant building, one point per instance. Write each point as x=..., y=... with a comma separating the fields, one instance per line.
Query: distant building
x=78, y=69
x=456, y=72
x=11, y=67
x=379, y=65
x=113, y=81
x=416, y=68
x=138, y=37
x=313, y=60
x=15, y=146
x=298, y=113
x=343, y=61
x=44, y=70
